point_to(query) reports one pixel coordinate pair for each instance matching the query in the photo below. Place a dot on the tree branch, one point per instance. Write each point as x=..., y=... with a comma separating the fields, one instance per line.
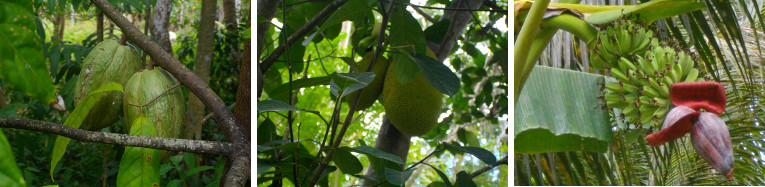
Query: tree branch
x=240, y=171
x=424, y=15
x=487, y=168
x=179, y=71
x=171, y=144
x=271, y=58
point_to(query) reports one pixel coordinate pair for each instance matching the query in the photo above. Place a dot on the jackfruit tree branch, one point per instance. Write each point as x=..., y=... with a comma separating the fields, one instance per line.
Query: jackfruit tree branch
x=356, y=96
x=178, y=70
x=310, y=25
x=171, y=144
x=487, y=168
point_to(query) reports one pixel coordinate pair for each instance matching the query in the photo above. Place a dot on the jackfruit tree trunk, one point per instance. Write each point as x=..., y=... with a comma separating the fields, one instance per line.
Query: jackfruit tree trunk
x=390, y=140
x=193, y=127
x=386, y=140
x=58, y=29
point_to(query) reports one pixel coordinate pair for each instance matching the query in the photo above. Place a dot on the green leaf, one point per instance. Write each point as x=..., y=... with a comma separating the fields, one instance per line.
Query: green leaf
x=406, y=66
x=440, y=76
x=349, y=82
x=22, y=64
x=346, y=162
x=275, y=105
x=374, y=152
x=140, y=166
x=398, y=177
x=464, y=180
x=74, y=120
x=649, y=12
x=467, y=137
x=482, y=154
x=281, y=93
x=349, y=11
x=559, y=111
x=435, y=33
x=10, y=174
x=441, y=174
x=406, y=32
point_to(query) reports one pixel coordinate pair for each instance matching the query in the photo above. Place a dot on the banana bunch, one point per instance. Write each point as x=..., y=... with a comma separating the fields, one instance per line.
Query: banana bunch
x=642, y=87
x=622, y=39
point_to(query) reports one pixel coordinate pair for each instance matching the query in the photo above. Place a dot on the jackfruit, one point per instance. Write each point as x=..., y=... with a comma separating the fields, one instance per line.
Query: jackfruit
x=412, y=108
x=372, y=91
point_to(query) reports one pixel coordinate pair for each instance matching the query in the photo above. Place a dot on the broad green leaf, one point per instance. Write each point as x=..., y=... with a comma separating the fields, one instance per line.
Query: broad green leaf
x=649, y=12
x=22, y=64
x=281, y=93
x=349, y=11
x=559, y=111
x=482, y=154
x=440, y=76
x=441, y=174
x=140, y=166
x=374, y=152
x=406, y=32
x=10, y=174
x=275, y=105
x=398, y=177
x=406, y=66
x=349, y=82
x=467, y=137
x=435, y=33
x=464, y=180
x=74, y=120
x=346, y=162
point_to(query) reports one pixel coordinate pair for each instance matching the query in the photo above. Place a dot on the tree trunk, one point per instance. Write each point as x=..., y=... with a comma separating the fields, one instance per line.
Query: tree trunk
x=229, y=19
x=196, y=109
x=392, y=141
x=267, y=10
x=100, y=26
x=60, y=23
x=242, y=107
x=160, y=21
x=387, y=141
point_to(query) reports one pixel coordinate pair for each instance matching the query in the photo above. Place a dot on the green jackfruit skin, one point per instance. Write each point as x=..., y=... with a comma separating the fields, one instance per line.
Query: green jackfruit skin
x=166, y=112
x=107, y=62
x=373, y=90
x=413, y=108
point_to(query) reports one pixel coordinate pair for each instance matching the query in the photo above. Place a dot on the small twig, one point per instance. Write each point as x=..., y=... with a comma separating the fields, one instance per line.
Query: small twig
x=357, y=97
x=271, y=58
x=156, y=97
x=487, y=168
x=453, y=9
x=424, y=15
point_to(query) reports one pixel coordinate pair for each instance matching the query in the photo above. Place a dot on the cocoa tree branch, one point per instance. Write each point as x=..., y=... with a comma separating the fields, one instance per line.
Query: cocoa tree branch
x=487, y=168
x=271, y=58
x=171, y=144
x=178, y=70
x=239, y=172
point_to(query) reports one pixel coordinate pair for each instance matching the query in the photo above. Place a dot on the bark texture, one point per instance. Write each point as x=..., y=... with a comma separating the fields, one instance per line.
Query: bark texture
x=206, y=35
x=229, y=20
x=160, y=21
x=242, y=107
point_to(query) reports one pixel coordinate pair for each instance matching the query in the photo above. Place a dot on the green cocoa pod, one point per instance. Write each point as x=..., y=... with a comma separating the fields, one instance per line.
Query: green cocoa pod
x=107, y=62
x=166, y=111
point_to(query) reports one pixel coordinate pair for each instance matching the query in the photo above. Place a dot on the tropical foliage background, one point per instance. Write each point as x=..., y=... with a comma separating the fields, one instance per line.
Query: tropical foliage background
x=475, y=116
x=726, y=37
